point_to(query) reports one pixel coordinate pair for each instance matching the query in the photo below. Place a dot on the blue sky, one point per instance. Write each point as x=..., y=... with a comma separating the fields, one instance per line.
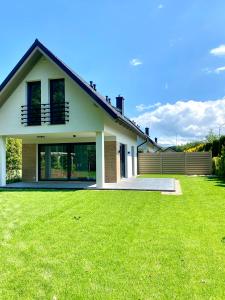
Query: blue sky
x=169, y=43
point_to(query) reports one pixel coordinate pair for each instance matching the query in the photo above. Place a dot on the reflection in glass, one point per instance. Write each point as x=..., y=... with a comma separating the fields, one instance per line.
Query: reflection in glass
x=83, y=161
x=57, y=101
x=34, y=103
x=53, y=162
x=67, y=162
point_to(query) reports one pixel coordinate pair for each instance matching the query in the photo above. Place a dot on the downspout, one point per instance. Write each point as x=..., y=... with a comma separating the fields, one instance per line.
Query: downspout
x=138, y=153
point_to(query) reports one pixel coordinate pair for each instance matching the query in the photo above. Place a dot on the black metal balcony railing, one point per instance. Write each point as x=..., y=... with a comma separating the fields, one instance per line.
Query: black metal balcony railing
x=45, y=114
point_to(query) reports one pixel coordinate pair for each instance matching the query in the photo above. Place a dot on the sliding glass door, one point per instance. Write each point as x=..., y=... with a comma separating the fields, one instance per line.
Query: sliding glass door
x=67, y=162
x=83, y=162
x=53, y=162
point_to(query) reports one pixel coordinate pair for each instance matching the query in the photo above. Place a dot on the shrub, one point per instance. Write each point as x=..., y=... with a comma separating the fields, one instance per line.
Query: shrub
x=215, y=148
x=13, y=159
x=215, y=165
x=208, y=147
x=221, y=143
x=198, y=148
x=219, y=164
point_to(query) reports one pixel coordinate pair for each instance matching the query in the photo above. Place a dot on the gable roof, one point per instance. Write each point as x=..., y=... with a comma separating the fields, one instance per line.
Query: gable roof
x=33, y=54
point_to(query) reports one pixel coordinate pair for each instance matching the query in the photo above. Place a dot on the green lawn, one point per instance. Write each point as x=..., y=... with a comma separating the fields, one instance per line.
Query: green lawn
x=114, y=244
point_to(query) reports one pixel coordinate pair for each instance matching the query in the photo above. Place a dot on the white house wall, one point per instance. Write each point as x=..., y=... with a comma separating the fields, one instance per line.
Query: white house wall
x=127, y=137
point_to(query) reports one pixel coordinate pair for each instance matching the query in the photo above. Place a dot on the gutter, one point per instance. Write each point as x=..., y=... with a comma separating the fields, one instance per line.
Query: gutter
x=130, y=126
x=137, y=153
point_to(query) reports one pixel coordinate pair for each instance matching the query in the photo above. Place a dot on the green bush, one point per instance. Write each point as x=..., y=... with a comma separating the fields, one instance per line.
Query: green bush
x=219, y=164
x=198, y=148
x=221, y=143
x=13, y=159
x=215, y=148
x=215, y=165
x=208, y=147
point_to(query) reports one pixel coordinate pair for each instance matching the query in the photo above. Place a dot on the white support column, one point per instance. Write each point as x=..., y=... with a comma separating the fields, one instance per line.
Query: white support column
x=36, y=179
x=100, y=159
x=2, y=161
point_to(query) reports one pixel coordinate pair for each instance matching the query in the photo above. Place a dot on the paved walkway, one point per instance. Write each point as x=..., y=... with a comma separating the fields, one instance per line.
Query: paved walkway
x=144, y=184
x=140, y=184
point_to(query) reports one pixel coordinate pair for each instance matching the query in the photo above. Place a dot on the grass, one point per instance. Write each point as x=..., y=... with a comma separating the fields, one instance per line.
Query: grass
x=114, y=244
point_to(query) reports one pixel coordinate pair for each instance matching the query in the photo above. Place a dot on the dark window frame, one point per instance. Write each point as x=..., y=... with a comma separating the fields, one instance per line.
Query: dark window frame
x=33, y=110
x=69, y=147
x=57, y=110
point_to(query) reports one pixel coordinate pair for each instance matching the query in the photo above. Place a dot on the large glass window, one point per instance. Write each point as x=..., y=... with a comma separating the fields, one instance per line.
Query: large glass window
x=83, y=161
x=57, y=101
x=34, y=103
x=53, y=162
x=67, y=162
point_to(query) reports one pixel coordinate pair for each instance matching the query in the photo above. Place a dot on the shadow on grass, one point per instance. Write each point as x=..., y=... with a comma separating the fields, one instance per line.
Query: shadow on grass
x=218, y=181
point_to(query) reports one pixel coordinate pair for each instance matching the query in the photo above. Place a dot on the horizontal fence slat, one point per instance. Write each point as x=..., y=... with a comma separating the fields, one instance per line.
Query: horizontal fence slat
x=190, y=163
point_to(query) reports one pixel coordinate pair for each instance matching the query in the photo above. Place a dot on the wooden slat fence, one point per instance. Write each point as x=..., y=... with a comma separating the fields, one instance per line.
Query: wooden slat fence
x=193, y=163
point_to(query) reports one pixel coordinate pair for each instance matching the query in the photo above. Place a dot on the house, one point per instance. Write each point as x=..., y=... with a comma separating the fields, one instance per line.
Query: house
x=149, y=147
x=167, y=149
x=68, y=130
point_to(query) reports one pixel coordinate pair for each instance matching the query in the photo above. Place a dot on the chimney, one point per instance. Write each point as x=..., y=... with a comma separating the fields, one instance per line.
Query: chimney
x=91, y=84
x=156, y=140
x=94, y=86
x=108, y=99
x=147, y=131
x=120, y=104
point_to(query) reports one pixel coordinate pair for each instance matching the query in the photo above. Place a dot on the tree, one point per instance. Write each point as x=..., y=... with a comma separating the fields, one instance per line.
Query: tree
x=211, y=136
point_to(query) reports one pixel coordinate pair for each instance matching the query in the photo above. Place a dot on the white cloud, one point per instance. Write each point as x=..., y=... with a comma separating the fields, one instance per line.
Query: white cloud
x=183, y=120
x=219, y=70
x=160, y=6
x=216, y=71
x=142, y=107
x=219, y=51
x=135, y=62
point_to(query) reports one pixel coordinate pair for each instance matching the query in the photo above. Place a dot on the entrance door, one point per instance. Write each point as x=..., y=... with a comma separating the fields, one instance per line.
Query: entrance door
x=122, y=161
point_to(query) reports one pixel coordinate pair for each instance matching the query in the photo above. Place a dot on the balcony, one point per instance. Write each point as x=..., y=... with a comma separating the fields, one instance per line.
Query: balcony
x=50, y=114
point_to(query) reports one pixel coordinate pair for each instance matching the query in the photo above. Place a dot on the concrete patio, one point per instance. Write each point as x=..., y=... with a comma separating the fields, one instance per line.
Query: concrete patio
x=139, y=184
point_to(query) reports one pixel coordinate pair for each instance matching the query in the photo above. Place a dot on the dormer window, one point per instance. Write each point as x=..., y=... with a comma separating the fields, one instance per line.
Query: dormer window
x=34, y=103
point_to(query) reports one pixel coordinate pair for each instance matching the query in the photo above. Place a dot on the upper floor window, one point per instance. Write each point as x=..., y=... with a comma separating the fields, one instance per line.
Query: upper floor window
x=34, y=103
x=54, y=112
x=57, y=101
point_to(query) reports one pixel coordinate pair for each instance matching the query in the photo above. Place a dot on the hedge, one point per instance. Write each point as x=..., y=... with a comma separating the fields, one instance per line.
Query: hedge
x=216, y=147
x=219, y=164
